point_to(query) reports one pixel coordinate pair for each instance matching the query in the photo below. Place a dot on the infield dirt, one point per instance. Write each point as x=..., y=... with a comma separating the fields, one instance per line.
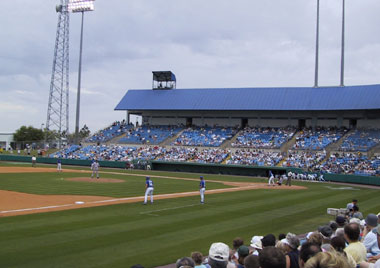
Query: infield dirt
x=15, y=203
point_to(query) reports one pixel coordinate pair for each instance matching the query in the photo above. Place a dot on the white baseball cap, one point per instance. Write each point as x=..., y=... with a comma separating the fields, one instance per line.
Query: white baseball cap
x=256, y=242
x=219, y=252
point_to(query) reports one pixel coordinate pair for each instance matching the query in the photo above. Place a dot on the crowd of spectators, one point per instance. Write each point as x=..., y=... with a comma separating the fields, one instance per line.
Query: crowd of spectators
x=346, y=242
x=150, y=134
x=254, y=157
x=205, y=136
x=304, y=159
x=116, y=129
x=351, y=163
x=361, y=140
x=263, y=137
x=193, y=154
x=319, y=138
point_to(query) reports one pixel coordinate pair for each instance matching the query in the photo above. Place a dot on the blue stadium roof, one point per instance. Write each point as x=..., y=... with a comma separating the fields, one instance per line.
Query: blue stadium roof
x=254, y=99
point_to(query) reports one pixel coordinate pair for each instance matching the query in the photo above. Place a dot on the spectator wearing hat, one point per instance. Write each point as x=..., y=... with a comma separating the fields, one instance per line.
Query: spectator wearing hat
x=370, y=236
x=377, y=257
x=340, y=220
x=271, y=257
x=355, y=248
x=292, y=254
x=243, y=252
x=326, y=233
x=218, y=255
x=256, y=245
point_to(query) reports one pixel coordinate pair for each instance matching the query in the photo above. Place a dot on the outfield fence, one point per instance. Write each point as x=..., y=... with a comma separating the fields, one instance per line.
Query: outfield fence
x=255, y=171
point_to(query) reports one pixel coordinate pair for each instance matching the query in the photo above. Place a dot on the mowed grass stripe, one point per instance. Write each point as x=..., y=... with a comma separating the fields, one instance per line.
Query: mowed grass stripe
x=122, y=237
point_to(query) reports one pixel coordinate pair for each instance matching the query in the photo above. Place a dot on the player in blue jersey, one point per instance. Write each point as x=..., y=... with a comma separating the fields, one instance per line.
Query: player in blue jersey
x=271, y=179
x=202, y=189
x=149, y=190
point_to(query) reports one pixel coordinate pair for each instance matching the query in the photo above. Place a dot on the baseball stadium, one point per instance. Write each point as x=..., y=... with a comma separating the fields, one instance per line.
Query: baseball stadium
x=207, y=178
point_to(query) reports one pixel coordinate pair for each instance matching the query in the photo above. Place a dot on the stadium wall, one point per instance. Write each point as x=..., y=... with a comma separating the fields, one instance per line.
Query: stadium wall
x=254, y=171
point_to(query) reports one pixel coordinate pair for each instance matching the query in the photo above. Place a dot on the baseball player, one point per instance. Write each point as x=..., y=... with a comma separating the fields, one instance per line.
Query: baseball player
x=59, y=165
x=202, y=189
x=149, y=190
x=34, y=160
x=271, y=179
x=95, y=169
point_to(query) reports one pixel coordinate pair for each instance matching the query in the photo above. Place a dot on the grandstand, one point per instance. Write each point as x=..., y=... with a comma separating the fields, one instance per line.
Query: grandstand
x=307, y=128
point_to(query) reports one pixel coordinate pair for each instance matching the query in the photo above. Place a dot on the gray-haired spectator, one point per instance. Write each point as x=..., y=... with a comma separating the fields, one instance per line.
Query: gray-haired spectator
x=292, y=254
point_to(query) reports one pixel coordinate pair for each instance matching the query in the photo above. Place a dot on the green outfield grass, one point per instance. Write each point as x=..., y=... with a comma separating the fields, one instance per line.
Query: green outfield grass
x=125, y=234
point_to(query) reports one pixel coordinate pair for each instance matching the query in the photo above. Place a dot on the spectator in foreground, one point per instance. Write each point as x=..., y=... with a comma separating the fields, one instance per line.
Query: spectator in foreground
x=355, y=248
x=327, y=260
x=198, y=259
x=251, y=261
x=218, y=255
x=338, y=244
x=307, y=251
x=271, y=257
x=370, y=236
x=268, y=241
x=292, y=254
x=185, y=262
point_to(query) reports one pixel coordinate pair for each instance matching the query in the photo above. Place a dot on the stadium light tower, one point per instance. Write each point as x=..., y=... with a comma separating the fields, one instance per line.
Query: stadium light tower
x=58, y=106
x=316, y=49
x=82, y=6
x=342, y=49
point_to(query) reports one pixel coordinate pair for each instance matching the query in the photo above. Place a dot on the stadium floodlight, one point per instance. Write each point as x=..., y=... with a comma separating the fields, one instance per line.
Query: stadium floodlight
x=80, y=6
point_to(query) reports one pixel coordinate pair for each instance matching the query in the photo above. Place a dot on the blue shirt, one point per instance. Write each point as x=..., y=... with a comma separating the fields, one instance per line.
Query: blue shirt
x=202, y=184
x=149, y=183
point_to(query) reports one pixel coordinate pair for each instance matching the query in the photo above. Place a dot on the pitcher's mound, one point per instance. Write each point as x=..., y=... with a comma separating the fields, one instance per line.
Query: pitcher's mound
x=100, y=180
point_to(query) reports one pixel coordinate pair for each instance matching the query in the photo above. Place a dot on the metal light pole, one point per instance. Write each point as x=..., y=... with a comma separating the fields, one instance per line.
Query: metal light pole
x=80, y=6
x=316, y=48
x=342, y=52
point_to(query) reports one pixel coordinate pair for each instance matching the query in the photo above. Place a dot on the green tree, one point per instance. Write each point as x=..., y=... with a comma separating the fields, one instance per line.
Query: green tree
x=30, y=133
x=84, y=132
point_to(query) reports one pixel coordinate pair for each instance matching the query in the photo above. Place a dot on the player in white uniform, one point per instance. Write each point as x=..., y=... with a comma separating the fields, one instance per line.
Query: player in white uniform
x=202, y=189
x=149, y=190
x=95, y=169
x=271, y=179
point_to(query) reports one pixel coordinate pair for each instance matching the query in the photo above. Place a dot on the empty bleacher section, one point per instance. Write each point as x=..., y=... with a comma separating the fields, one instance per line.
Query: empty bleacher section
x=318, y=139
x=263, y=137
x=107, y=134
x=254, y=157
x=205, y=136
x=361, y=140
x=150, y=134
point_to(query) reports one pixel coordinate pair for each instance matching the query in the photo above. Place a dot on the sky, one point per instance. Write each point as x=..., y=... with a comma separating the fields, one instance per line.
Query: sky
x=205, y=43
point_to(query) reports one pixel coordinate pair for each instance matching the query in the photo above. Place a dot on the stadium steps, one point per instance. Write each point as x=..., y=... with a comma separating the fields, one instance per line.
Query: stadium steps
x=168, y=141
x=280, y=163
x=335, y=146
x=289, y=144
x=227, y=144
x=115, y=140
x=224, y=162
x=374, y=150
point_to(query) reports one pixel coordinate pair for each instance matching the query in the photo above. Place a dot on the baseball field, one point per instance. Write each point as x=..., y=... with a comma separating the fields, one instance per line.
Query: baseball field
x=51, y=219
